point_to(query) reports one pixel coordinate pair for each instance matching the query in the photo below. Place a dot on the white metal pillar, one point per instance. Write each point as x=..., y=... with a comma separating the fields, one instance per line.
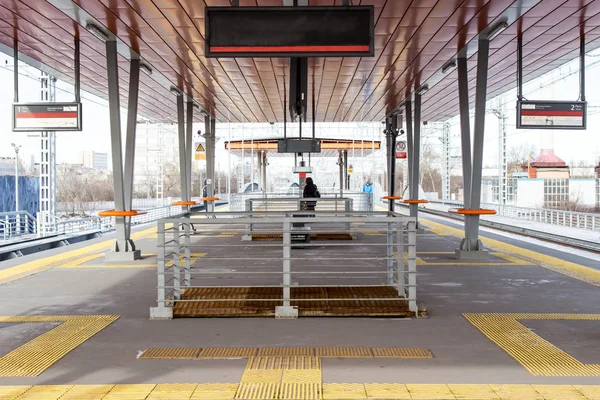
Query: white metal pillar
x=391, y=133
x=132, y=106
x=264, y=170
x=500, y=113
x=160, y=168
x=188, y=149
x=416, y=159
x=446, y=162
x=259, y=168
x=183, y=180
x=47, y=204
x=471, y=246
x=210, y=124
x=123, y=248
x=409, y=146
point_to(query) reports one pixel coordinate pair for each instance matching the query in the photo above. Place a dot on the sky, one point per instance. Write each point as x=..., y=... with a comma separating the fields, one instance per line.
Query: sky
x=572, y=146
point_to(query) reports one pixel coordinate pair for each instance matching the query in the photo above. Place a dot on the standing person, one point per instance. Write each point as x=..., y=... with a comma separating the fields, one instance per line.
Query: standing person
x=310, y=191
x=368, y=188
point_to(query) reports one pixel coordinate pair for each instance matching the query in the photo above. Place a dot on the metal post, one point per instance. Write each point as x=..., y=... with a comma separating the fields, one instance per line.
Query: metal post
x=409, y=145
x=391, y=132
x=210, y=164
x=132, y=106
x=188, y=148
x=412, y=267
x=182, y=148
x=264, y=171
x=446, y=161
x=345, y=154
x=187, y=278
x=259, y=168
x=401, y=274
x=416, y=159
x=112, y=67
x=341, y=165
x=161, y=311
x=582, y=67
x=519, y=68
x=286, y=311
x=390, y=252
x=465, y=133
x=176, y=254
x=77, y=83
x=16, y=71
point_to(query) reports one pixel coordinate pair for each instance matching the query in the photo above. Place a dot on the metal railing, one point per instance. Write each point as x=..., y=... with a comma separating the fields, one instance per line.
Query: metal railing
x=362, y=202
x=17, y=224
x=571, y=219
x=202, y=262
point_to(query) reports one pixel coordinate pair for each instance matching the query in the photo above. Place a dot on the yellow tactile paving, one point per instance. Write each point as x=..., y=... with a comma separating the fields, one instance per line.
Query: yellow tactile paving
x=574, y=270
x=306, y=376
x=262, y=376
x=537, y=355
x=300, y=391
x=172, y=392
x=258, y=391
x=344, y=391
x=395, y=352
x=42, y=264
x=430, y=392
x=171, y=353
x=215, y=391
x=344, y=352
x=129, y=392
x=76, y=263
x=224, y=352
x=35, y=356
x=386, y=391
x=87, y=392
x=286, y=351
x=472, y=391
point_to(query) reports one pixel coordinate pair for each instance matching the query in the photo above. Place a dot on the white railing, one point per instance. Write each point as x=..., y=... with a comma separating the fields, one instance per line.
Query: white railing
x=571, y=219
x=361, y=202
x=15, y=225
x=198, y=266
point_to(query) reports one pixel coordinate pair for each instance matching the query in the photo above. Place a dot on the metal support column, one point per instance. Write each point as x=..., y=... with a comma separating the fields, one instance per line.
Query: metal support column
x=471, y=246
x=391, y=133
x=259, y=168
x=416, y=159
x=345, y=154
x=134, y=83
x=121, y=249
x=16, y=71
x=188, y=148
x=264, y=170
x=47, y=215
x=210, y=160
x=183, y=180
x=341, y=165
x=409, y=145
x=446, y=161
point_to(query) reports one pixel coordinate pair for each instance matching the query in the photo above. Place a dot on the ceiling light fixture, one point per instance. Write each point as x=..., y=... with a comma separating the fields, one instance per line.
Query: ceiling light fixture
x=448, y=66
x=144, y=67
x=97, y=31
x=497, y=29
x=422, y=89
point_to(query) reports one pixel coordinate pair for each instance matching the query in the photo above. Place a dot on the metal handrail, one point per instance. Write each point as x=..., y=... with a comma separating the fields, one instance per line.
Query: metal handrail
x=565, y=218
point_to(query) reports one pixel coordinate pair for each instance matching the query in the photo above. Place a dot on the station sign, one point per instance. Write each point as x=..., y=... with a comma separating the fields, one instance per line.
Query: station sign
x=401, y=149
x=290, y=31
x=35, y=117
x=551, y=114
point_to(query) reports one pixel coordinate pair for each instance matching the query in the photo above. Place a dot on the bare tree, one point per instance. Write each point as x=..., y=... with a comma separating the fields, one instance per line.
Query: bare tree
x=519, y=156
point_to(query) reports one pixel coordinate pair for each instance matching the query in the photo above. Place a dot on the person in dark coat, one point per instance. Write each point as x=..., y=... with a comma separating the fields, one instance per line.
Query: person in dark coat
x=310, y=191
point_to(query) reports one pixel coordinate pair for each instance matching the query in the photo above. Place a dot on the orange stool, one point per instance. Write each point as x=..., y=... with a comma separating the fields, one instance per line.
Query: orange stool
x=113, y=213
x=416, y=201
x=463, y=211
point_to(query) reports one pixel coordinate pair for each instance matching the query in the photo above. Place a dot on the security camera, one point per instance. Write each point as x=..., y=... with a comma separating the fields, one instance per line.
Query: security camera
x=199, y=132
x=401, y=132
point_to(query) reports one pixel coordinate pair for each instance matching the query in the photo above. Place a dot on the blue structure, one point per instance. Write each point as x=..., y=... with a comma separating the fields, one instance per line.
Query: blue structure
x=29, y=193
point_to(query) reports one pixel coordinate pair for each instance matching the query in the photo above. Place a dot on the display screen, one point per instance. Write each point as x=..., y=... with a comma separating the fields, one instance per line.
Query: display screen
x=551, y=114
x=35, y=117
x=289, y=31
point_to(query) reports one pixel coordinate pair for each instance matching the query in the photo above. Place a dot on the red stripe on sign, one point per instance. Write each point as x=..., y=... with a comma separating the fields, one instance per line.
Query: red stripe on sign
x=48, y=115
x=553, y=113
x=287, y=49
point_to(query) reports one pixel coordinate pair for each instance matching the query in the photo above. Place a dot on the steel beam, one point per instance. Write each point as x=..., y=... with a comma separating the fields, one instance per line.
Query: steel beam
x=132, y=107
x=182, y=148
x=188, y=148
x=414, y=178
x=77, y=83
x=465, y=133
x=121, y=244
x=16, y=71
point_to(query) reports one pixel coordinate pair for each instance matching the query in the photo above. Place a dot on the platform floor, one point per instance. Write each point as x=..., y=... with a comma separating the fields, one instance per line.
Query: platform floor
x=524, y=325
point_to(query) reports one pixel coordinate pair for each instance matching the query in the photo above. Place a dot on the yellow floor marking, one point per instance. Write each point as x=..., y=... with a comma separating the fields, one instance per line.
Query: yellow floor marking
x=233, y=352
x=574, y=270
x=394, y=352
x=78, y=263
x=42, y=264
x=537, y=355
x=80, y=260
x=37, y=355
x=174, y=353
x=308, y=391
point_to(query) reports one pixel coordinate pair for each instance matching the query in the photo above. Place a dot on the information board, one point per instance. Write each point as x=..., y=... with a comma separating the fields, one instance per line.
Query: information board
x=35, y=117
x=551, y=114
x=401, y=149
x=290, y=31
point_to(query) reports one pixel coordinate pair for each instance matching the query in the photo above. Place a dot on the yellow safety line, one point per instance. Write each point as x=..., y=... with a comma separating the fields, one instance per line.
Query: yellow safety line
x=571, y=269
x=537, y=355
x=309, y=391
x=37, y=355
x=42, y=264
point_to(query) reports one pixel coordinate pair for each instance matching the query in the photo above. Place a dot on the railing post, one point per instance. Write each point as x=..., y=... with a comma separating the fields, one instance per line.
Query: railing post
x=412, y=267
x=161, y=311
x=176, y=261
x=286, y=311
x=390, y=253
x=400, y=238
x=187, y=262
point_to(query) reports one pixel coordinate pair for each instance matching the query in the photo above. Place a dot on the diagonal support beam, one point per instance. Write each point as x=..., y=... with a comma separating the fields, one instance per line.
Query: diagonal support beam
x=132, y=107
x=182, y=148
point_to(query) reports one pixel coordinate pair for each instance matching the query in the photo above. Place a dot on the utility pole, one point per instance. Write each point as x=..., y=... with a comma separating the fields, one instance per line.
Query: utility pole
x=500, y=113
x=445, y=139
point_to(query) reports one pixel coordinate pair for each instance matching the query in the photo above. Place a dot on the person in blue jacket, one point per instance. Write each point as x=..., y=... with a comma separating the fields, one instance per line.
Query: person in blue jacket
x=368, y=188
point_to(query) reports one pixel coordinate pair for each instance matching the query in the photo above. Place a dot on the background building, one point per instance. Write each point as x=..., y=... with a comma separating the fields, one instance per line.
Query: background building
x=93, y=160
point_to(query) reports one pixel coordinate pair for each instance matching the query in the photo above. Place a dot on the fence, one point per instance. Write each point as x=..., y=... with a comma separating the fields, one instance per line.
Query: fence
x=16, y=225
x=204, y=269
x=361, y=202
x=572, y=219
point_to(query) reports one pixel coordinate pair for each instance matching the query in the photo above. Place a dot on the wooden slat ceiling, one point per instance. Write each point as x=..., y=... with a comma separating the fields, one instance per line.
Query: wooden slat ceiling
x=414, y=39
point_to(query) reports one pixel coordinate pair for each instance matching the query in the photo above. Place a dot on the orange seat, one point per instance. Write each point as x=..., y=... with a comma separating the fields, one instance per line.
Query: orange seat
x=209, y=198
x=113, y=213
x=475, y=212
x=183, y=203
x=416, y=201
x=392, y=197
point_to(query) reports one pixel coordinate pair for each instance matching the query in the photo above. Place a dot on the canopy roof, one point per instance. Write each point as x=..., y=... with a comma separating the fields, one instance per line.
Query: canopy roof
x=329, y=147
